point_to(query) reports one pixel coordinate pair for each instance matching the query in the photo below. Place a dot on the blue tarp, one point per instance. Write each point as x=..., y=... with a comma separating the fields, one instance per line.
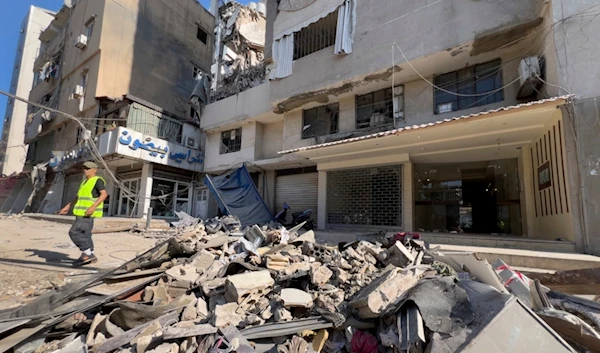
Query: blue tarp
x=237, y=195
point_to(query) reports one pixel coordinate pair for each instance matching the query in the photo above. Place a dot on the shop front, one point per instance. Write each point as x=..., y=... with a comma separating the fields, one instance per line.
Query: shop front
x=472, y=197
x=498, y=173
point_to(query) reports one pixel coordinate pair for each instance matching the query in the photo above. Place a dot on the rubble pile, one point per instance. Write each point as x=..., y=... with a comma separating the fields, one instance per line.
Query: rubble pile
x=218, y=287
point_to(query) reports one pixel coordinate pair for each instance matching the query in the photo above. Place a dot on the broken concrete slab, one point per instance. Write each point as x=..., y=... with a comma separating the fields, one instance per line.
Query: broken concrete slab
x=383, y=292
x=186, y=273
x=238, y=286
x=293, y=297
x=226, y=314
x=202, y=308
x=319, y=274
x=398, y=255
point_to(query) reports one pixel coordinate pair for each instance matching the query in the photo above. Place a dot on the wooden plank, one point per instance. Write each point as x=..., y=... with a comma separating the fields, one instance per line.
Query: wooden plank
x=118, y=288
x=124, y=339
x=572, y=332
x=585, y=281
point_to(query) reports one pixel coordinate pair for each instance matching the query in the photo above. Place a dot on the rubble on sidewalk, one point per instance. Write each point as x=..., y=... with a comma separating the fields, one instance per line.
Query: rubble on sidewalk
x=215, y=286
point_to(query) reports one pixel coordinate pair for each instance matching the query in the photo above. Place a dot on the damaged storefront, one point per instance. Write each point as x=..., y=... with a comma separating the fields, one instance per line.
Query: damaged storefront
x=498, y=173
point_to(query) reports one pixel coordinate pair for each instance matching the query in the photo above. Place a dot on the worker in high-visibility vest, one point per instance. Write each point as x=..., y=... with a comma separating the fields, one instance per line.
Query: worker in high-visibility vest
x=89, y=204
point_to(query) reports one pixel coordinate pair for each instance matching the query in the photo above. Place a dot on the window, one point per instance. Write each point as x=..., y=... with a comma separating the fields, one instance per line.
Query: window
x=127, y=205
x=202, y=35
x=481, y=83
x=316, y=36
x=231, y=141
x=320, y=121
x=196, y=71
x=89, y=27
x=170, y=196
x=375, y=109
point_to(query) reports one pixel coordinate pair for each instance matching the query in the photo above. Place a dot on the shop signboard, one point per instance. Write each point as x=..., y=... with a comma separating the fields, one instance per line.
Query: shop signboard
x=130, y=143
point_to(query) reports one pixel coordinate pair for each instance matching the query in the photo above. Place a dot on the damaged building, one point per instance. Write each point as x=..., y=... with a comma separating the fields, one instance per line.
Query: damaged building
x=125, y=69
x=240, y=48
x=462, y=130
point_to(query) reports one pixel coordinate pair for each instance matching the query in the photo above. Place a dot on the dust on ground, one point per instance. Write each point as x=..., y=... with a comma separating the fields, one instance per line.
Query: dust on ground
x=34, y=254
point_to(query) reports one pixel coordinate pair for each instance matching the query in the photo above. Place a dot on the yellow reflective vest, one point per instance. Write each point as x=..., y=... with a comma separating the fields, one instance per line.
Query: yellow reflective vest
x=85, y=199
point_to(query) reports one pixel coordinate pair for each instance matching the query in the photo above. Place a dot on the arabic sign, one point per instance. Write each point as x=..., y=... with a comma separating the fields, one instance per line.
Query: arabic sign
x=63, y=159
x=134, y=144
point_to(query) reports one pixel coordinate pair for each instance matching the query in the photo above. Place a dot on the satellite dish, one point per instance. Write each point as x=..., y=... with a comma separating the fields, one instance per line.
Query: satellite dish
x=294, y=5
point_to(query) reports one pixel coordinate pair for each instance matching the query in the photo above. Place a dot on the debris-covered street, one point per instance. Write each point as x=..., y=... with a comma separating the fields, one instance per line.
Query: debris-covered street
x=35, y=255
x=215, y=286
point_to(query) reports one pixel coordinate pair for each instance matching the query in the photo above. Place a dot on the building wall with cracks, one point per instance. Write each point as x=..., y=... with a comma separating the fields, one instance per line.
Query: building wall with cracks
x=378, y=24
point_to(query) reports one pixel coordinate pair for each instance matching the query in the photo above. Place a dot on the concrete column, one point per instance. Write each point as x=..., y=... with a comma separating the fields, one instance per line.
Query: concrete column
x=145, y=190
x=322, y=201
x=269, y=192
x=408, y=204
x=527, y=192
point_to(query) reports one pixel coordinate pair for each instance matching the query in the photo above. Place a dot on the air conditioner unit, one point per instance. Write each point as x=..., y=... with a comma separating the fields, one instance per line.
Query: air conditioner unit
x=78, y=92
x=82, y=41
x=530, y=73
x=191, y=142
x=529, y=68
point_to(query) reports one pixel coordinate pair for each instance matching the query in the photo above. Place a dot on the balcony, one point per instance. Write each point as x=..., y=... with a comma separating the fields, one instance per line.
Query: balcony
x=250, y=105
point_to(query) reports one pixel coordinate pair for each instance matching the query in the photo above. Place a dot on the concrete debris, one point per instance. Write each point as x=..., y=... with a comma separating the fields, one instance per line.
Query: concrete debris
x=293, y=297
x=238, y=286
x=214, y=285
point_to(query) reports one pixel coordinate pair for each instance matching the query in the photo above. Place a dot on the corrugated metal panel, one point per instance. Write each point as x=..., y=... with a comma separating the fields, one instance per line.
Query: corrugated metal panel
x=299, y=191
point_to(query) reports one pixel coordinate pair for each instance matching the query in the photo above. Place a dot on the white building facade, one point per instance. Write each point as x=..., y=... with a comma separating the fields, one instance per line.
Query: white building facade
x=12, y=149
x=445, y=118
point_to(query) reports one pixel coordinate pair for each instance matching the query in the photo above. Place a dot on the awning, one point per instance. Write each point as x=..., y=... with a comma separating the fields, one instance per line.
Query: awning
x=494, y=134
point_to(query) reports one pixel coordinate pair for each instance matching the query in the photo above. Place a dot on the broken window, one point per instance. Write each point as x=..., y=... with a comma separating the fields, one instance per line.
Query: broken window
x=475, y=85
x=196, y=71
x=316, y=36
x=375, y=109
x=202, y=35
x=231, y=141
x=320, y=121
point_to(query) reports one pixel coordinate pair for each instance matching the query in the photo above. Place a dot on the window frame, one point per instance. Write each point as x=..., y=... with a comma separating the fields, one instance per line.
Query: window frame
x=474, y=84
x=237, y=144
x=307, y=41
x=388, y=101
x=204, y=35
x=331, y=112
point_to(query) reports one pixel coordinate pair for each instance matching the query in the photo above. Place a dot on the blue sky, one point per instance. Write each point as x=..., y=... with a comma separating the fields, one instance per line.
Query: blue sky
x=11, y=15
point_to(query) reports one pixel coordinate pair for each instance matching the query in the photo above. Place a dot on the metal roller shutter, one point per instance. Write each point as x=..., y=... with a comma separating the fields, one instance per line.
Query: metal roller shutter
x=299, y=191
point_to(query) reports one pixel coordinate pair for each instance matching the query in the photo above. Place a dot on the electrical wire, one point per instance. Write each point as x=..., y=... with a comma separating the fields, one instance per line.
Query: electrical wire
x=96, y=154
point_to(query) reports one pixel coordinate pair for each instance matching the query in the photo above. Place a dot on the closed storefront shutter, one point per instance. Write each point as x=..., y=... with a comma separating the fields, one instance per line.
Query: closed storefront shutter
x=299, y=191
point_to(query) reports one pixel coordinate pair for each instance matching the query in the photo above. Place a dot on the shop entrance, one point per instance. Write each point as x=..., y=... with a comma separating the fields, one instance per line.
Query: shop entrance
x=475, y=197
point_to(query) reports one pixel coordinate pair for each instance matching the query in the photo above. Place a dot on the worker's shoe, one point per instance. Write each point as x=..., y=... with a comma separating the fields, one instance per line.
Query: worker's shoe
x=85, y=260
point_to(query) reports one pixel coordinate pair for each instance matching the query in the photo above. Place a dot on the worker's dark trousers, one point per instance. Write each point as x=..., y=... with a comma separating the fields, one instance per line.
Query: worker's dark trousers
x=81, y=233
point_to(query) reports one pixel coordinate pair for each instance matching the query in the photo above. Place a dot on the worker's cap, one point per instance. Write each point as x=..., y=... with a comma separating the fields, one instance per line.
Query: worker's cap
x=90, y=165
